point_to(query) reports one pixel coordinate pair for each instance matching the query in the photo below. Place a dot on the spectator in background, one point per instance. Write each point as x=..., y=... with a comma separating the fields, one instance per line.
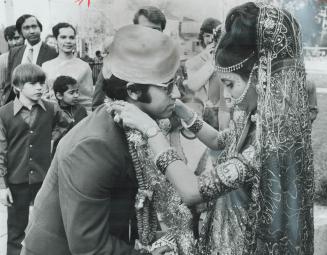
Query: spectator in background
x=98, y=57
x=27, y=126
x=202, y=77
x=67, y=64
x=96, y=65
x=85, y=57
x=13, y=39
x=35, y=51
x=51, y=41
x=148, y=16
x=66, y=91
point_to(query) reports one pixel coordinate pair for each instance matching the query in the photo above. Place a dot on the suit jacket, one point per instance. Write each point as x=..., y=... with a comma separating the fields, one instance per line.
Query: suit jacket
x=98, y=94
x=15, y=58
x=87, y=198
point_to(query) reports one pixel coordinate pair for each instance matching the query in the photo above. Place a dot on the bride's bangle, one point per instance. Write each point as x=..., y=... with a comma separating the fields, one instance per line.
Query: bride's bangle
x=165, y=158
x=195, y=125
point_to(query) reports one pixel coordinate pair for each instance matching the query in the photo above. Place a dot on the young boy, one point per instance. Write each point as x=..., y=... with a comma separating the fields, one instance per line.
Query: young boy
x=67, y=94
x=27, y=126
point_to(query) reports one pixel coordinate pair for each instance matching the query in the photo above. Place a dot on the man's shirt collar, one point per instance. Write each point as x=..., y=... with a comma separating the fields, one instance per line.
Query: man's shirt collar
x=35, y=47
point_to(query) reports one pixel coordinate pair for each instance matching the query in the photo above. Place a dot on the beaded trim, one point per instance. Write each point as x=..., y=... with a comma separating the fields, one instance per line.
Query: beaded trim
x=165, y=158
x=233, y=67
x=196, y=126
x=241, y=97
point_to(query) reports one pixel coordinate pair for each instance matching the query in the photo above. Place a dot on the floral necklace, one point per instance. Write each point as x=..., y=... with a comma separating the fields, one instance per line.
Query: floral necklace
x=146, y=195
x=156, y=195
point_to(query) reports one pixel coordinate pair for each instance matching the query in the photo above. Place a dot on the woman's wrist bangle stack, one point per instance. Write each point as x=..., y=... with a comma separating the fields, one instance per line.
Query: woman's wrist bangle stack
x=165, y=158
x=195, y=125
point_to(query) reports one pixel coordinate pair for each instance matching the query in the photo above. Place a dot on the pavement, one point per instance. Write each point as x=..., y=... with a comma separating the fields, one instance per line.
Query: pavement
x=3, y=229
x=320, y=221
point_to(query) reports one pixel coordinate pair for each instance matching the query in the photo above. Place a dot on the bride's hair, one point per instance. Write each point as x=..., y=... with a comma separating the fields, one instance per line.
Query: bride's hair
x=239, y=40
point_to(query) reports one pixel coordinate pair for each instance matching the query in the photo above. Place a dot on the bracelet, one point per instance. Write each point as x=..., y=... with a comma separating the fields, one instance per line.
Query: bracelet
x=197, y=125
x=165, y=158
x=190, y=136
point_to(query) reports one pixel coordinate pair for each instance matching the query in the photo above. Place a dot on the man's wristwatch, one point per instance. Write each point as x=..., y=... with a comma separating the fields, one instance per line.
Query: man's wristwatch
x=151, y=132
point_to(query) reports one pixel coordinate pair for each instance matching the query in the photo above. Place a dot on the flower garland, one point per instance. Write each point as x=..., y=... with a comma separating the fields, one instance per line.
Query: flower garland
x=145, y=198
x=157, y=196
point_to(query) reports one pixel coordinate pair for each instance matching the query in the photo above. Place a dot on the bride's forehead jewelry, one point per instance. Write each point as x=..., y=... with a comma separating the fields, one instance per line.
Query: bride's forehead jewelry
x=233, y=68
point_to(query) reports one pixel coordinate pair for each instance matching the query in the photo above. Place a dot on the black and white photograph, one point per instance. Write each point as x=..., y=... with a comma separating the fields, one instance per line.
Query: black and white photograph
x=163, y=127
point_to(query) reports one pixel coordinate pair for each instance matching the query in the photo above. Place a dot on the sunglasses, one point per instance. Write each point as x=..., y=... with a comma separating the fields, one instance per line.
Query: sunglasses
x=168, y=87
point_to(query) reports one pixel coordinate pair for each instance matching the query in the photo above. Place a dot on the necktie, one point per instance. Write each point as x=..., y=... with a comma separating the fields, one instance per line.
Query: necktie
x=29, y=58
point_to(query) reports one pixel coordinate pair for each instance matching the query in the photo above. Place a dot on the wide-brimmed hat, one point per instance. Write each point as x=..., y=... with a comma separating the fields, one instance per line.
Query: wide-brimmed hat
x=142, y=55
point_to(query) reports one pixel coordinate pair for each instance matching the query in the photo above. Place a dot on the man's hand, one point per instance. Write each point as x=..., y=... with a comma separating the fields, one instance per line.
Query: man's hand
x=6, y=197
x=161, y=250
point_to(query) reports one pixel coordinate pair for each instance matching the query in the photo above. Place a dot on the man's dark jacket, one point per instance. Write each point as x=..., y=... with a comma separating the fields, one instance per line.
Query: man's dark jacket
x=15, y=57
x=87, y=198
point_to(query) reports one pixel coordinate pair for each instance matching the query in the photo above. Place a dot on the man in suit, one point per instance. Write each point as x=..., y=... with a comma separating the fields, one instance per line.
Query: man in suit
x=34, y=51
x=86, y=202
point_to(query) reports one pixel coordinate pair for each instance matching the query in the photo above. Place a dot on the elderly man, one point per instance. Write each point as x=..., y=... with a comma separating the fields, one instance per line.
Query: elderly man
x=86, y=203
x=34, y=51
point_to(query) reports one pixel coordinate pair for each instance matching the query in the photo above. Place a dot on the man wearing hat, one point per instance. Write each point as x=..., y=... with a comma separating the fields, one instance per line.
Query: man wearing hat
x=147, y=16
x=86, y=203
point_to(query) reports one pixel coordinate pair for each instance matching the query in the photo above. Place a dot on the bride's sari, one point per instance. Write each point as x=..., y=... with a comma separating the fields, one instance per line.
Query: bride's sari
x=261, y=188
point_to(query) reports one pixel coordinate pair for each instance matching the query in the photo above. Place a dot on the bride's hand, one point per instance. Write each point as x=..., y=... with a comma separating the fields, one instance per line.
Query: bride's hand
x=183, y=111
x=131, y=116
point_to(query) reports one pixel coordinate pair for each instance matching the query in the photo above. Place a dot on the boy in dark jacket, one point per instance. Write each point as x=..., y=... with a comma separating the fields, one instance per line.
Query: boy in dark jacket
x=67, y=94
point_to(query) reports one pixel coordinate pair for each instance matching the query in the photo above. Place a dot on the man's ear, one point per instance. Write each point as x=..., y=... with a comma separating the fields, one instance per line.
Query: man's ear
x=134, y=94
x=59, y=96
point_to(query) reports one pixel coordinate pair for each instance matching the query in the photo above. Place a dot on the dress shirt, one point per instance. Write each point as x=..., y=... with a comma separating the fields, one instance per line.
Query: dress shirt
x=36, y=50
x=29, y=116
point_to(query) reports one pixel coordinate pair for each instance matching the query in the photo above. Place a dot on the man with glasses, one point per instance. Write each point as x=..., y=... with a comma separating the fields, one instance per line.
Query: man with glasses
x=86, y=203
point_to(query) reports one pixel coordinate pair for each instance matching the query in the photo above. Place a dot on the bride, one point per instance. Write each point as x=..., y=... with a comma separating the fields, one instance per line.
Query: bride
x=261, y=187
